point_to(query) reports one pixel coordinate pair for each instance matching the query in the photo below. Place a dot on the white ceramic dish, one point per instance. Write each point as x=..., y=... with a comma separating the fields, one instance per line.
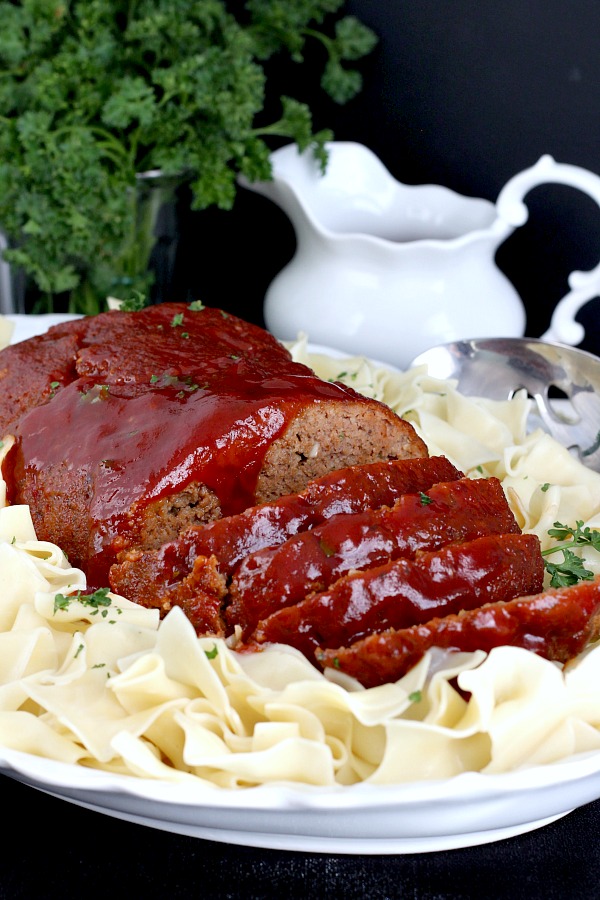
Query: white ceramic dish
x=29, y=326
x=464, y=811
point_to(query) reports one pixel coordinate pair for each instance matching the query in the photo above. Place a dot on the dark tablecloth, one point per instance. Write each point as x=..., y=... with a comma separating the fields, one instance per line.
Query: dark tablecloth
x=54, y=849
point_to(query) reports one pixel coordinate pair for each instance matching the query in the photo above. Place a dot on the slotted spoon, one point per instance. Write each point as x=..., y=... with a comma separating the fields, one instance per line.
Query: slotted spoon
x=563, y=380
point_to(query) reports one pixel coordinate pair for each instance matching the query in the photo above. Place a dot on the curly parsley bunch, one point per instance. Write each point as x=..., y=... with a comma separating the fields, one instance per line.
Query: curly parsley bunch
x=93, y=92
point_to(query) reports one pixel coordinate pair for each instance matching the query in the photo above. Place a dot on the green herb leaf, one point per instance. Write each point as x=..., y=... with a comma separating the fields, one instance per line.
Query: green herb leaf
x=576, y=535
x=572, y=569
x=327, y=549
x=61, y=602
x=96, y=600
x=95, y=92
x=425, y=500
x=137, y=301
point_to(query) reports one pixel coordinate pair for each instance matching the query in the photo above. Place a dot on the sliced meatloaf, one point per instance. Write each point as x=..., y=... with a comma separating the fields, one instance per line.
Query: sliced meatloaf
x=161, y=577
x=132, y=426
x=557, y=623
x=406, y=592
x=276, y=577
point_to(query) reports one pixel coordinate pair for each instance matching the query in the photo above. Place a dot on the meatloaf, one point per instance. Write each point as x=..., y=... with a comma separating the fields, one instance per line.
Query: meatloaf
x=131, y=426
x=557, y=623
x=178, y=570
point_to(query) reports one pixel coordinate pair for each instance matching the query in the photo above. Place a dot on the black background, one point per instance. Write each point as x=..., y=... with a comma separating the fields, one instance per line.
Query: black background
x=464, y=94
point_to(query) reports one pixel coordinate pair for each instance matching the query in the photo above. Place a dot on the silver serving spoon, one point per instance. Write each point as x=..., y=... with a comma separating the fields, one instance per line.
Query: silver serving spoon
x=563, y=380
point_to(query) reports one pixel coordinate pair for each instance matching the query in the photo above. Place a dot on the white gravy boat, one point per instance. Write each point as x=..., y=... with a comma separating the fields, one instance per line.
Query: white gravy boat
x=387, y=269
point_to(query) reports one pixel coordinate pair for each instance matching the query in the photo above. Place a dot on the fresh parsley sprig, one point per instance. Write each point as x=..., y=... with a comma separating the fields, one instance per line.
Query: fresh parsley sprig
x=572, y=568
x=93, y=93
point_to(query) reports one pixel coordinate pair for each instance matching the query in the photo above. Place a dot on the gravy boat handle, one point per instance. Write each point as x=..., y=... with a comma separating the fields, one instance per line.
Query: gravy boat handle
x=511, y=208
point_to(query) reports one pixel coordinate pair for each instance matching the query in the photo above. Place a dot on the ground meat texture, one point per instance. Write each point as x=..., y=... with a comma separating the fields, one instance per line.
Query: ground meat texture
x=172, y=414
x=151, y=577
x=451, y=511
x=324, y=439
x=557, y=624
x=407, y=592
x=166, y=518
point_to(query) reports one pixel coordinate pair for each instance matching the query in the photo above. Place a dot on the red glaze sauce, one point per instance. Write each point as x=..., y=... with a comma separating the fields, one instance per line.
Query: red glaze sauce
x=556, y=624
x=406, y=592
x=277, y=577
x=166, y=396
x=233, y=538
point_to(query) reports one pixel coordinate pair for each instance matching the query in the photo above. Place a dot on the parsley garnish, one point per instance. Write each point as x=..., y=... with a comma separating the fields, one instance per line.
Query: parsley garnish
x=177, y=320
x=61, y=602
x=425, y=500
x=572, y=569
x=544, y=487
x=196, y=306
x=137, y=301
x=96, y=600
x=210, y=654
x=415, y=696
x=327, y=549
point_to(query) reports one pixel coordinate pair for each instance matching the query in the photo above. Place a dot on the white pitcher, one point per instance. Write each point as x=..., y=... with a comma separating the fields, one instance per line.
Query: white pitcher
x=387, y=269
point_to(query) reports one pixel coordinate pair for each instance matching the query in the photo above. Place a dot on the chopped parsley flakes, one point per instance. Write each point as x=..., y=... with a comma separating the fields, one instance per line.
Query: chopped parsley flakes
x=96, y=601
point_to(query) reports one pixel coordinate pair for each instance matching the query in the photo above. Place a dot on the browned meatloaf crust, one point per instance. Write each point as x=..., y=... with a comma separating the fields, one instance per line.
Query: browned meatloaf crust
x=131, y=426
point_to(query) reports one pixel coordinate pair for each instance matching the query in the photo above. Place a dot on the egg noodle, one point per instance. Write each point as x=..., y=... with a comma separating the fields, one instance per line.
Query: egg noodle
x=98, y=681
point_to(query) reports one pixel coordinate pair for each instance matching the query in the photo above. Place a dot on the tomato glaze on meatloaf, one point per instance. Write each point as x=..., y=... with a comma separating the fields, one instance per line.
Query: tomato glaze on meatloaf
x=131, y=426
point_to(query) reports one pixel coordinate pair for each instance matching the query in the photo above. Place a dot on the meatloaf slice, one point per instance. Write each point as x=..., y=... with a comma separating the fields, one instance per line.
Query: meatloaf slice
x=276, y=577
x=156, y=577
x=170, y=416
x=407, y=592
x=557, y=624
